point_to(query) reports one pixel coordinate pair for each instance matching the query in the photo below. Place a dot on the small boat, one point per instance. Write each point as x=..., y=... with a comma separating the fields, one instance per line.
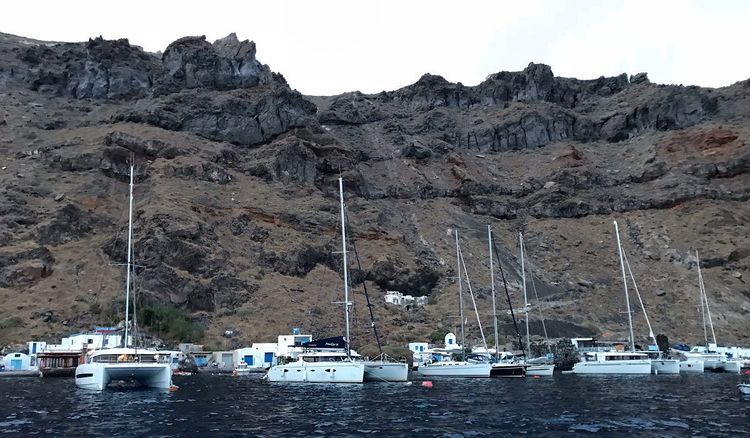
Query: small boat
x=613, y=362
x=500, y=369
x=385, y=369
x=454, y=368
x=744, y=388
x=539, y=369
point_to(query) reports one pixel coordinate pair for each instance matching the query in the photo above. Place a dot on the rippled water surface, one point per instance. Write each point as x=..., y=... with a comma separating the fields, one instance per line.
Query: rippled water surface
x=707, y=405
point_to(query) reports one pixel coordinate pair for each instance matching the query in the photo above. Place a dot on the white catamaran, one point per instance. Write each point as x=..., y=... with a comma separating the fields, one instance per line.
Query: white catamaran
x=616, y=362
x=712, y=360
x=659, y=363
x=327, y=365
x=103, y=366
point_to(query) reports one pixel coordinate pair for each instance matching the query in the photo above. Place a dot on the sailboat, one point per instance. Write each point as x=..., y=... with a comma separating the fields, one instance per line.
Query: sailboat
x=659, y=364
x=500, y=367
x=332, y=361
x=383, y=368
x=454, y=368
x=616, y=362
x=533, y=366
x=126, y=363
x=712, y=360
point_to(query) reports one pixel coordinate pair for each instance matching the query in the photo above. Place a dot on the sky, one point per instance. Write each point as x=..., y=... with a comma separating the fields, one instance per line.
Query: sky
x=330, y=47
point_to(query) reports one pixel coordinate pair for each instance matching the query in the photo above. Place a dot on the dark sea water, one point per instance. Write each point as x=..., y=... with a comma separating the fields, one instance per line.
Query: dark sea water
x=222, y=405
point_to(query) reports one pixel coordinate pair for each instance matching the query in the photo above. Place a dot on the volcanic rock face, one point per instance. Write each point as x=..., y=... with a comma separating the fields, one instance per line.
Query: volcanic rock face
x=236, y=219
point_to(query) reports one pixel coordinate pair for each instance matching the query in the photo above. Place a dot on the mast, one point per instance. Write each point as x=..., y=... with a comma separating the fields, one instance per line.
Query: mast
x=460, y=297
x=705, y=298
x=525, y=299
x=367, y=296
x=625, y=284
x=507, y=296
x=492, y=286
x=347, y=304
x=129, y=259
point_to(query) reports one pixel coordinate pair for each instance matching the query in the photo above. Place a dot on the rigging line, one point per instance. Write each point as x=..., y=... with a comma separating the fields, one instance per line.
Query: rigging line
x=638, y=294
x=536, y=296
x=471, y=293
x=705, y=297
x=364, y=287
x=507, y=295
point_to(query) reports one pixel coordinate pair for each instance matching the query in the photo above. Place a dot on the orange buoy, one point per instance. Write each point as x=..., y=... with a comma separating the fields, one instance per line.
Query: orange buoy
x=427, y=384
x=173, y=388
x=536, y=377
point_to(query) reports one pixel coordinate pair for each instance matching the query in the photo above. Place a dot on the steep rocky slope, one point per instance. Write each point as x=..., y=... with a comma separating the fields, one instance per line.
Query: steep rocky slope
x=236, y=194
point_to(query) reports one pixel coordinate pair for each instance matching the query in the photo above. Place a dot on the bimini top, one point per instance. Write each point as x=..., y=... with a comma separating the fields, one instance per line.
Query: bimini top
x=337, y=342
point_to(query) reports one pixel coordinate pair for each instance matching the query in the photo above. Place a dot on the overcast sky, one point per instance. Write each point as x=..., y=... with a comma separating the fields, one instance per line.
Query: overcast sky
x=329, y=47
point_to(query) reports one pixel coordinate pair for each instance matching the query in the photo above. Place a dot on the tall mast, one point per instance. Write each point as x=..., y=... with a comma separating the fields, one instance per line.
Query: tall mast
x=700, y=291
x=625, y=283
x=129, y=260
x=705, y=298
x=492, y=286
x=525, y=299
x=460, y=297
x=346, y=266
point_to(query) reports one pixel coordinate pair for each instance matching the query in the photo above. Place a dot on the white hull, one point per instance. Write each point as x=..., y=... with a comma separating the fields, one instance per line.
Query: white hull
x=317, y=372
x=539, y=370
x=730, y=366
x=636, y=366
x=455, y=369
x=691, y=366
x=665, y=366
x=97, y=375
x=744, y=388
x=386, y=371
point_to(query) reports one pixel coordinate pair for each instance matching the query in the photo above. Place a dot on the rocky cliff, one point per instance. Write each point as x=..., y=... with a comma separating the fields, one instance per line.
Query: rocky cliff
x=236, y=210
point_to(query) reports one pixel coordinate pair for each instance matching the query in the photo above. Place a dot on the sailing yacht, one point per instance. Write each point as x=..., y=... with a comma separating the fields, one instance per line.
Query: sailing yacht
x=383, y=368
x=534, y=366
x=712, y=360
x=452, y=368
x=328, y=360
x=659, y=364
x=616, y=362
x=128, y=363
x=502, y=367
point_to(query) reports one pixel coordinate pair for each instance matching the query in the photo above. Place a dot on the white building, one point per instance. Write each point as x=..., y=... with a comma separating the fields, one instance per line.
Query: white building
x=397, y=298
x=260, y=355
x=88, y=341
x=289, y=345
x=222, y=359
x=17, y=362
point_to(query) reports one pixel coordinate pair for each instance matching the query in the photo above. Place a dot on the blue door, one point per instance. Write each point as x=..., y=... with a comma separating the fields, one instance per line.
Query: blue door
x=249, y=360
x=15, y=364
x=268, y=358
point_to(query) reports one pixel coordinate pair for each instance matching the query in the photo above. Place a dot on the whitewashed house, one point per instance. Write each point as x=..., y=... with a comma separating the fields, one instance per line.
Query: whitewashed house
x=260, y=355
x=17, y=362
x=399, y=299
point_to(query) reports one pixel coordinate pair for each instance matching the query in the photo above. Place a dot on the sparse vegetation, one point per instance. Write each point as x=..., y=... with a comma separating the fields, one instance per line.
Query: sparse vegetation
x=169, y=323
